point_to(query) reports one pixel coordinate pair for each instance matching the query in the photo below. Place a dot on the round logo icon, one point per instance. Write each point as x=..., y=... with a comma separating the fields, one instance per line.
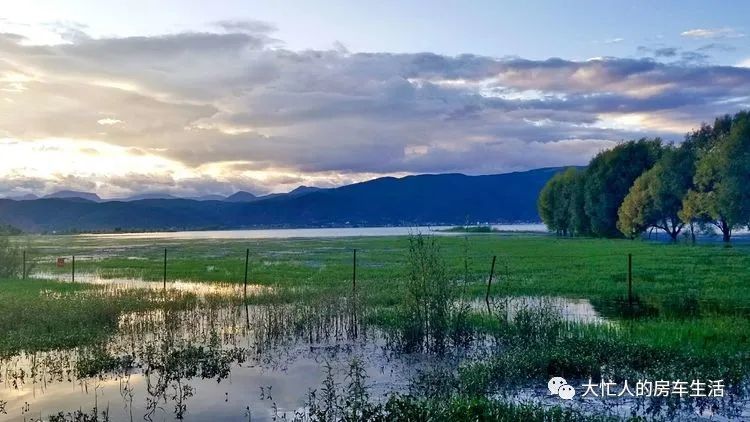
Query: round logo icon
x=559, y=387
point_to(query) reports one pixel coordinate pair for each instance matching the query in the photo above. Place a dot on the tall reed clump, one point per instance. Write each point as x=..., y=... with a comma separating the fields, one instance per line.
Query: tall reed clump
x=429, y=294
x=11, y=259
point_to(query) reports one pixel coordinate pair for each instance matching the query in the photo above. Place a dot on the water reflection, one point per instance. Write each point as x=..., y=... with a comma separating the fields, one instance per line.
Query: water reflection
x=308, y=233
x=241, y=362
x=568, y=309
x=115, y=285
x=219, y=362
x=194, y=364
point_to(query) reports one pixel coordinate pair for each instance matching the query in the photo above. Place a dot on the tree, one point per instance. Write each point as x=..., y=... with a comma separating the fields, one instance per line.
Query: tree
x=545, y=203
x=655, y=199
x=721, y=195
x=608, y=180
x=579, y=222
x=634, y=215
x=697, y=144
x=559, y=203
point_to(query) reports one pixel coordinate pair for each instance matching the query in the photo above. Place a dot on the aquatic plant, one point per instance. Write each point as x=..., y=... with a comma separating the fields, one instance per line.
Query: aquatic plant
x=429, y=294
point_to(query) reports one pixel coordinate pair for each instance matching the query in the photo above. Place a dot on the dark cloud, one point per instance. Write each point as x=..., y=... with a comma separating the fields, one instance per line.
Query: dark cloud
x=665, y=52
x=694, y=57
x=248, y=26
x=718, y=47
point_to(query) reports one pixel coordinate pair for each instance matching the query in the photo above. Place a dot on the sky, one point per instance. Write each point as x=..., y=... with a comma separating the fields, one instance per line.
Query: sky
x=211, y=97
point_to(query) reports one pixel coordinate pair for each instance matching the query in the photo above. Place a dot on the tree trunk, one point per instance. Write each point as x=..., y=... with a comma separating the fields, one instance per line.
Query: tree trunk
x=726, y=231
x=692, y=233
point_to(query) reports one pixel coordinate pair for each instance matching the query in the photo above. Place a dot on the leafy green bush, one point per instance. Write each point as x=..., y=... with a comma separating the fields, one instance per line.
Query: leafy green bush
x=11, y=260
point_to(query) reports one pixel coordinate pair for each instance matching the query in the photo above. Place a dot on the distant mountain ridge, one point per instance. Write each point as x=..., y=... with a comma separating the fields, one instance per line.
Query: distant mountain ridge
x=71, y=194
x=241, y=196
x=422, y=199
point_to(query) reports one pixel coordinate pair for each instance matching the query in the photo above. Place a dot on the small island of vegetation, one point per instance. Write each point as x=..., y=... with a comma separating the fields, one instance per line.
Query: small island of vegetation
x=470, y=229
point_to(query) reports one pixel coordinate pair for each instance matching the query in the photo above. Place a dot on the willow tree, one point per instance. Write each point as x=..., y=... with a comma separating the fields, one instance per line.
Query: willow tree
x=560, y=203
x=721, y=196
x=609, y=177
x=553, y=204
x=655, y=199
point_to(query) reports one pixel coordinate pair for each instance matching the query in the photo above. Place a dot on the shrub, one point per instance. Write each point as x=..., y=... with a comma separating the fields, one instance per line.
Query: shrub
x=11, y=260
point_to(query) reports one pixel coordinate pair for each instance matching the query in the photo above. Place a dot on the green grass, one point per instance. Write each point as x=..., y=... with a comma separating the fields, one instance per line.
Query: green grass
x=716, y=277
x=40, y=315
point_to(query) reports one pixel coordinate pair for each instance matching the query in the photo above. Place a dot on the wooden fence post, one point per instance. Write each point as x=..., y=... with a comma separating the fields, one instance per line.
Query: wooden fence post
x=165, y=269
x=630, y=281
x=247, y=263
x=354, y=271
x=489, y=284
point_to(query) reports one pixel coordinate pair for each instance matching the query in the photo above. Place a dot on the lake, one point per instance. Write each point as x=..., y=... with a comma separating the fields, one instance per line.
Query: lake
x=312, y=233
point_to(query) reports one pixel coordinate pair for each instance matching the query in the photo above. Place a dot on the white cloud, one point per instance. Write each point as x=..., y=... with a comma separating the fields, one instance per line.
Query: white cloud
x=108, y=121
x=744, y=63
x=704, y=33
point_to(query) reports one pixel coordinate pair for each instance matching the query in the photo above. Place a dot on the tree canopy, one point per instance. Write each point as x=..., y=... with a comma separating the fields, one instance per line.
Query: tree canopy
x=721, y=195
x=643, y=184
x=609, y=177
x=655, y=199
x=559, y=201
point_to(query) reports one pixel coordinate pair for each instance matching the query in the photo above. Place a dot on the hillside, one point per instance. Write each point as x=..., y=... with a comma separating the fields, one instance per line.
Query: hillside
x=422, y=199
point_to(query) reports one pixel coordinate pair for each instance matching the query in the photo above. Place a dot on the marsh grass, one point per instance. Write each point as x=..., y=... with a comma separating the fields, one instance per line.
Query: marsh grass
x=428, y=297
x=36, y=315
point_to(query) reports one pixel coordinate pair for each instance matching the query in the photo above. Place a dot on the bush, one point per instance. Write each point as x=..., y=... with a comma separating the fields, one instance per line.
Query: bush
x=11, y=259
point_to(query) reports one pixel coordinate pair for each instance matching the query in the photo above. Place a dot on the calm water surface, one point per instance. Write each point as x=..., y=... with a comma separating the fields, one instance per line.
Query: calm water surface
x=309, y=233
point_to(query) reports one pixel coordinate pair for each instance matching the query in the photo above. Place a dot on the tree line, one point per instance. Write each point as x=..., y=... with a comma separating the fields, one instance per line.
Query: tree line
x=646, y=184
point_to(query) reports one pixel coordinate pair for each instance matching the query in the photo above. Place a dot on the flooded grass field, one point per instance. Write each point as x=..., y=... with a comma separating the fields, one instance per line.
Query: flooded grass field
x=415, y=332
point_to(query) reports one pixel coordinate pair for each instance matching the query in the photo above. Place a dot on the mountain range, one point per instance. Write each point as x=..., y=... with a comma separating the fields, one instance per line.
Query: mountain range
x=429, y=199
x=240, y=196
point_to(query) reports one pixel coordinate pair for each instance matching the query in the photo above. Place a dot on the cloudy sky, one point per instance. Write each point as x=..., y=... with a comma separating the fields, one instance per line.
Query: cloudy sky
x=203, y=97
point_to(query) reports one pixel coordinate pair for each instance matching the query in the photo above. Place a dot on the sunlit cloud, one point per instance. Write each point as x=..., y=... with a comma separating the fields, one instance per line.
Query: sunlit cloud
x=52, y=164
x=645, y=123
x=108, y=121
